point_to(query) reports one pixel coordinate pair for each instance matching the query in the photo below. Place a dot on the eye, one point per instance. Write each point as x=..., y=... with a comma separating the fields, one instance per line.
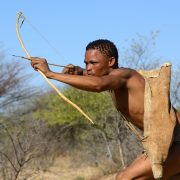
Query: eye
x=93, y=62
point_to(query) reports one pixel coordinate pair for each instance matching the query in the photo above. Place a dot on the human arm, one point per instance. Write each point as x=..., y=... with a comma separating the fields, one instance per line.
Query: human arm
x=113, y=80
x=88, y=83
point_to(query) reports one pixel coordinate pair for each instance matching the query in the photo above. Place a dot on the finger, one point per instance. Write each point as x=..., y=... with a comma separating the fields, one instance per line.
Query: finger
x=75, y=70
x=70, y=66
x=35, y=59
x=69, y=69
x=34, y=62
x=65, y=70
x=35, y=66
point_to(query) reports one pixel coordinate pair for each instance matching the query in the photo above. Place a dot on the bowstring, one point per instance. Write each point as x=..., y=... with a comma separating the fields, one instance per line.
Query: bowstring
x=42, y=36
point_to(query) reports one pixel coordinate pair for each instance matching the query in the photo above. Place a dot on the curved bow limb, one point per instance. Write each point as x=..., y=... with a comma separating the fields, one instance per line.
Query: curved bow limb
x=20, y=15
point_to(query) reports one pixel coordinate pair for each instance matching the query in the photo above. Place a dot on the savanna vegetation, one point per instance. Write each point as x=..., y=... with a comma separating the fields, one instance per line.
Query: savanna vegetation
x=40, y=133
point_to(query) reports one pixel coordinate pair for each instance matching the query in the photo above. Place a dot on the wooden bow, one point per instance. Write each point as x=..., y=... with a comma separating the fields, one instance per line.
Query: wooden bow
x=20, y=15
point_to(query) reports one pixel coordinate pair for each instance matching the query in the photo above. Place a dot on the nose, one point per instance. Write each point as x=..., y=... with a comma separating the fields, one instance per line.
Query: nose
x=88, y=67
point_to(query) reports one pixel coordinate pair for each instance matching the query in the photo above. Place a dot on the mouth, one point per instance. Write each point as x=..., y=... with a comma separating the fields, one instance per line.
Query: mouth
x=90, y=74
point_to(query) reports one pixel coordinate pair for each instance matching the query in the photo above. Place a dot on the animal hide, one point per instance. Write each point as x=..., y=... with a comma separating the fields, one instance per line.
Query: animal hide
x=159, y=117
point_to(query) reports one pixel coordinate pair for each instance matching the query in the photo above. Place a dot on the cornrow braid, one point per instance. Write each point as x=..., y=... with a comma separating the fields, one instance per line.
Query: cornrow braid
x=106, y=47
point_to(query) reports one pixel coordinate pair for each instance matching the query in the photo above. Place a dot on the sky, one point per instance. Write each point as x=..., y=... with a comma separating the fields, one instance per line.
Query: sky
x=69, y=26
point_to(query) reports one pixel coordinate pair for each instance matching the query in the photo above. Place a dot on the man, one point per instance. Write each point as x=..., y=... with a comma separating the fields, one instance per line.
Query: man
x=127, y=88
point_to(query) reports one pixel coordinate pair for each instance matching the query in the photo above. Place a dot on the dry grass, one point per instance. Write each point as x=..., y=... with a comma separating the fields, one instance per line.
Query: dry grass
x=64, y=169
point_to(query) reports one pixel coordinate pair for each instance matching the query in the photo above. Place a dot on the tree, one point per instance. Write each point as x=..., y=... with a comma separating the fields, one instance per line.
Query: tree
x=21, y=143
x=14, y=88
x=140, y=53
x=16, y=150
x=55, y=111
x=100, y=108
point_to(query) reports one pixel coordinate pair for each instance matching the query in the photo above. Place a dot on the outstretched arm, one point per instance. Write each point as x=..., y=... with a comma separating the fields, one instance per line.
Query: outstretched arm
x=89, y=83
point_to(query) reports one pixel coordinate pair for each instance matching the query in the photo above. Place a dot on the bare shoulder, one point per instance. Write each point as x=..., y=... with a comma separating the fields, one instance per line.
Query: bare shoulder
x=129, y=78
x=125, y=72
x=131, y=75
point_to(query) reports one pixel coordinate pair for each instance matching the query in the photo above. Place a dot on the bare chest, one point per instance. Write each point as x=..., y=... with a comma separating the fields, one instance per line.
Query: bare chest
x=130, y=105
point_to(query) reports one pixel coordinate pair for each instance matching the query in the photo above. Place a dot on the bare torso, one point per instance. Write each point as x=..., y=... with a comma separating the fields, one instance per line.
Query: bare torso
x=129, y=99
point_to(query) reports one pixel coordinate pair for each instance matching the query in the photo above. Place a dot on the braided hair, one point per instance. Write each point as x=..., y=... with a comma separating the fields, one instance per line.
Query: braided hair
x=106, y=47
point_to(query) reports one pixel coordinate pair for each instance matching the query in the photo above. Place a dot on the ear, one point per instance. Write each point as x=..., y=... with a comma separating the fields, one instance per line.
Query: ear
x=111, y=61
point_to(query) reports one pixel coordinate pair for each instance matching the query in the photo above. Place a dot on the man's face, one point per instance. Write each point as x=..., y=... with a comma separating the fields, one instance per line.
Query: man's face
x=97, y=64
